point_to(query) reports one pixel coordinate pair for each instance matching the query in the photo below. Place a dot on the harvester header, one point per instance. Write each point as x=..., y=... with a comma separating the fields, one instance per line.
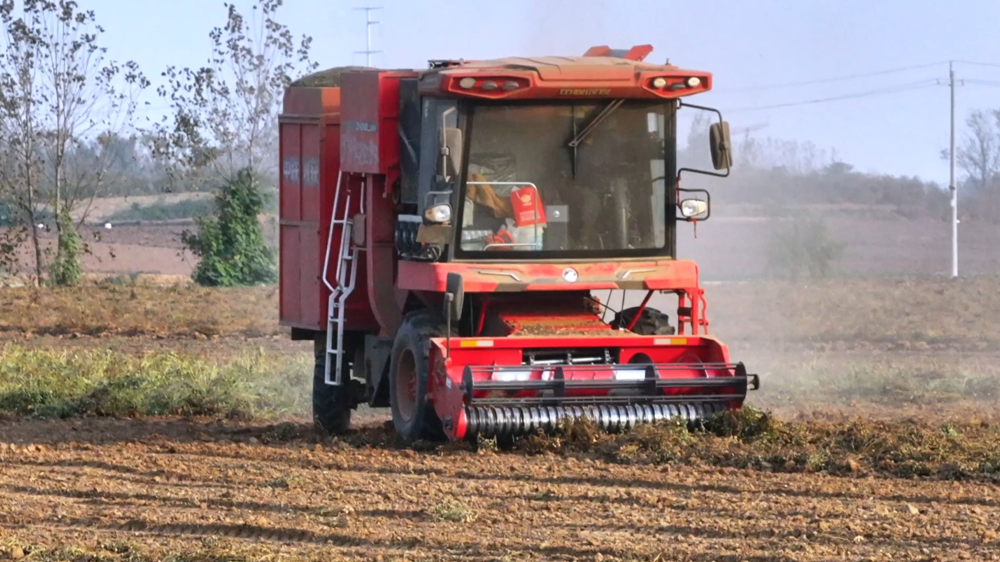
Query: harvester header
x=452, y=238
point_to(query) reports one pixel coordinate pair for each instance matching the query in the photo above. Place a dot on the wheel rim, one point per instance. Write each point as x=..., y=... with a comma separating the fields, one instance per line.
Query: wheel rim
x=406, y=386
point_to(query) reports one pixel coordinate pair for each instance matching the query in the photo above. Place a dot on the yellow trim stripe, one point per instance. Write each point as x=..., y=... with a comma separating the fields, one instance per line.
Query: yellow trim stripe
x=476, y=343
x=670, y=341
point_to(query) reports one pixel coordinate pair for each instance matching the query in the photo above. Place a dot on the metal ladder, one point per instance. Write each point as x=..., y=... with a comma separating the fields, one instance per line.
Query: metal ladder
x=345, y=277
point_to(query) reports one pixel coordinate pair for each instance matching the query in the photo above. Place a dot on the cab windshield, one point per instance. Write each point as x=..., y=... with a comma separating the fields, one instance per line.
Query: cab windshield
x=528, y=190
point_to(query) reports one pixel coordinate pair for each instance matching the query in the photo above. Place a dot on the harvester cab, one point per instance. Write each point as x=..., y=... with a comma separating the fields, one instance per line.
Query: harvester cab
x=444, y=233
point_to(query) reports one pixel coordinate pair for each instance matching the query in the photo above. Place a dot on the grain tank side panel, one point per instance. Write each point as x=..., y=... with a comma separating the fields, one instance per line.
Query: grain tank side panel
x=290, y=213
x=359, y=133
x=370, y=148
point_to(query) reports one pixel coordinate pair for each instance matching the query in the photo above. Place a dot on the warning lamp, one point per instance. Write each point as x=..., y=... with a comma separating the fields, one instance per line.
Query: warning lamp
x=492, y=87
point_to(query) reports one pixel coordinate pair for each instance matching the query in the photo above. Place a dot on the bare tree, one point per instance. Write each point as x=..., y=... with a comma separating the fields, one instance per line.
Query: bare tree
x=20, y=127
x=978, y=155
x=225, y=113
x=62, y=95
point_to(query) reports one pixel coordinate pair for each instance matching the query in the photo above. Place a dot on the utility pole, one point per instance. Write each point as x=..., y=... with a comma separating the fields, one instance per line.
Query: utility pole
x=368, y=52
x=952, y=185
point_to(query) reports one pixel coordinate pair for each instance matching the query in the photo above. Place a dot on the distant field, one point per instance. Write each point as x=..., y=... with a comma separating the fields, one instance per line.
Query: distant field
x=163, y=211
x=735, y=248
x=727, y=247
x=104, y=208
x=119, y=307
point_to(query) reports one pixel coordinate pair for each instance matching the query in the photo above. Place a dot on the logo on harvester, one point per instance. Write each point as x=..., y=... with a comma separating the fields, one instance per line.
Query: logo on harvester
x=585, y=92
x=361, y=126
x=570, y=275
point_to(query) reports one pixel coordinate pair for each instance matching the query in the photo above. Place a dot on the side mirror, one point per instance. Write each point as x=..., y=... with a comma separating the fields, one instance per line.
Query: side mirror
x=721, y=147
x=456, y=288
x=451, y=152
x=451, y=146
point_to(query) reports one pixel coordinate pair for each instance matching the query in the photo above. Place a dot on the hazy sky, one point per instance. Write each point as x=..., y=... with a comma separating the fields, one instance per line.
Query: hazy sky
x=749, y=45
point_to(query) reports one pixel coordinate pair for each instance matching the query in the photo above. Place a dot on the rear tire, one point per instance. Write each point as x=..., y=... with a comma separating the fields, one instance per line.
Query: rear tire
x=651, y=322
x=412, y=416
x=331, y=404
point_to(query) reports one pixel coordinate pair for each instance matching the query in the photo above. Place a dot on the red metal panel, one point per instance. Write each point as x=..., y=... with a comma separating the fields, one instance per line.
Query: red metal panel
x=289, y=215
x=311, y=254
x=291, y=171
x=360, y=122
x=307, y=189
x=486, y=277
x=381, y=260
x=311, y=173
x=310, y=270
x=370, y=115
x=329, y=172
x=388, y=122
x=291, y=311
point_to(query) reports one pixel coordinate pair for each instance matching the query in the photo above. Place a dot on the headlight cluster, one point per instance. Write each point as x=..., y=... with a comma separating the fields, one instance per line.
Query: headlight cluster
x=438, y=214
x=691, y=208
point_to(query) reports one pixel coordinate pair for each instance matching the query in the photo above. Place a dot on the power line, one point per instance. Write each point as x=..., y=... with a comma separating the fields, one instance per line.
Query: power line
x=833, y=79
x=975, y=63
x=880, y=91
x=981, y=82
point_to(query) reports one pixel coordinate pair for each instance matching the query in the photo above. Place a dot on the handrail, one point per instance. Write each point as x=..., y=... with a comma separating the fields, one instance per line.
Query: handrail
x=329, y=237
x=501, y=183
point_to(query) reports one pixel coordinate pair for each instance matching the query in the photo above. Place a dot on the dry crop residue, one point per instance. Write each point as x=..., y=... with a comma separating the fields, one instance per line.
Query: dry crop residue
x=208, y=490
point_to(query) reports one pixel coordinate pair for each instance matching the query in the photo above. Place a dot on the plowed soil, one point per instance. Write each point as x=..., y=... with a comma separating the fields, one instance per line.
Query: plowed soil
x=205, y=490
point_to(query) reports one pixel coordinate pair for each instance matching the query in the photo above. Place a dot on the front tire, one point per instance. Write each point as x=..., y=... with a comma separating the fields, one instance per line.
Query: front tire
x=412, y=415
x=331, y=405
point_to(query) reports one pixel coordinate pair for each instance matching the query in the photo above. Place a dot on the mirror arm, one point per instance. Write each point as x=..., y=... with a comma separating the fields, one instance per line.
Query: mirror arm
x=681, y=103
x=703, y=172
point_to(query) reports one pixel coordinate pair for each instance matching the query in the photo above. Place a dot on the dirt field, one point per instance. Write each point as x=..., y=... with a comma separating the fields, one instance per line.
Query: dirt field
x=115, y=490
x=252, y=482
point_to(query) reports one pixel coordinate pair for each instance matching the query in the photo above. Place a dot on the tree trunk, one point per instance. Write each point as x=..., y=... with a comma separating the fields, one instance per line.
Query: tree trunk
x=56, y=208
x=38, y=252
x=33, y=219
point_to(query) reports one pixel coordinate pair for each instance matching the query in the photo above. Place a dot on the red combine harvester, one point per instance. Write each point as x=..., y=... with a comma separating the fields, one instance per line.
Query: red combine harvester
x=443, y=232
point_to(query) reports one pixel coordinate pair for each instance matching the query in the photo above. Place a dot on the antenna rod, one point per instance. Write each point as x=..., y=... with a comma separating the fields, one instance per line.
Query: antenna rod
x=368, y=52
x=952, y=185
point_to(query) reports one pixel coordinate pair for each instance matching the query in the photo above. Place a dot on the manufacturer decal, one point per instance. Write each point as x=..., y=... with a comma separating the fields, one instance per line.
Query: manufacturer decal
x=310, y=172
x=361, y=126
x=290, y=170
x=585, y=92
